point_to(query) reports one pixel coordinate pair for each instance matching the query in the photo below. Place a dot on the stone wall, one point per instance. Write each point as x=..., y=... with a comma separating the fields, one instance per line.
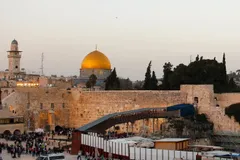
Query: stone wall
x=74, y=108
x=223, y=122
x=40, y=101
x=89, y=106
x=226, y=99
x=213, y=105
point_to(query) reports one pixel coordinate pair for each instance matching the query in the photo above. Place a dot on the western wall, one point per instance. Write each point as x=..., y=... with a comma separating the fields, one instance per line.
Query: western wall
x=74, y=108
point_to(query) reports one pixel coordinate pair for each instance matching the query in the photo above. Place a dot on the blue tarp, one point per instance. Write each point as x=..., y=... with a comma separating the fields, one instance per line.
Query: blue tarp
x=185, y=109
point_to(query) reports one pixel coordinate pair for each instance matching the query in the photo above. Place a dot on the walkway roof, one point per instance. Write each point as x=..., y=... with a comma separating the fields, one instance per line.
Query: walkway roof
x=105, y=122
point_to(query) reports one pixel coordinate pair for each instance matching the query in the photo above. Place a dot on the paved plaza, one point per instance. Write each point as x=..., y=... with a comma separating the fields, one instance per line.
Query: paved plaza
x=7, y=156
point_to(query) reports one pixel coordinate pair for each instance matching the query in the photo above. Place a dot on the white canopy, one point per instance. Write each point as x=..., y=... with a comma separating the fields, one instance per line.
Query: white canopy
x=39, y=130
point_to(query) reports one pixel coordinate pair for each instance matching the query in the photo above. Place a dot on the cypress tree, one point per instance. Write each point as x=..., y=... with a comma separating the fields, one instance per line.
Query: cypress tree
x=92, y=81
x=167, y=71
x=112, y=82
x=197, y=58
x=154, y=81
x=224, y=69
x=147, y=81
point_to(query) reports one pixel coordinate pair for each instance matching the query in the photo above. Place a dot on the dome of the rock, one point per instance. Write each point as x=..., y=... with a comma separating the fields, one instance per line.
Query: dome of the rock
x=96, y=60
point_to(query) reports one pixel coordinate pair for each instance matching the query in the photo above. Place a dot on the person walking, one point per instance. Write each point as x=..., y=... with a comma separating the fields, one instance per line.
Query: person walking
x=79, y=155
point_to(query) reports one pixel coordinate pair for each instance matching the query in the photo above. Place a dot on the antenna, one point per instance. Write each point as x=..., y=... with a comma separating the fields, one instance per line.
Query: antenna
x=42, y=58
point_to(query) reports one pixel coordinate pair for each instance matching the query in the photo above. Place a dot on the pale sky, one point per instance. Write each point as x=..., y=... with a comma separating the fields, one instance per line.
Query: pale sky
x=129, y=32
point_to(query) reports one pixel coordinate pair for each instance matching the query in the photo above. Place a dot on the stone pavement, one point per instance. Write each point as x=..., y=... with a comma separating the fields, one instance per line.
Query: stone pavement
x=7, y=156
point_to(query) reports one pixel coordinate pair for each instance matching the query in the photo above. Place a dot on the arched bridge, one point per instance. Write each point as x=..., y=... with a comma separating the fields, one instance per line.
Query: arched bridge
x=105, y=122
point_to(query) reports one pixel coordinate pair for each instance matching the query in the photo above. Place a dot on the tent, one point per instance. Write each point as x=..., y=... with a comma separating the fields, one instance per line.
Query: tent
x=39, y=130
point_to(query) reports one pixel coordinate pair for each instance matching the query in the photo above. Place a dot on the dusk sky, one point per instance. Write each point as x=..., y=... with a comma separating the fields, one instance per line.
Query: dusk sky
x=129, y=32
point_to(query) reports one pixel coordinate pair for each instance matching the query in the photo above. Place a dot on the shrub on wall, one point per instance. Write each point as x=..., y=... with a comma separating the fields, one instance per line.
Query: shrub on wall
x=233, y=110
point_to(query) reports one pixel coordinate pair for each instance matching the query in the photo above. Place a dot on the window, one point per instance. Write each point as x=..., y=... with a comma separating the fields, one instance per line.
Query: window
x=52, y=105
x=16, y=66
x=195, y=100
x=41, y=105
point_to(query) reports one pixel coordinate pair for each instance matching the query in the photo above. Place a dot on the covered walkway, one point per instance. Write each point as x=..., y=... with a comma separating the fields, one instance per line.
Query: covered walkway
x=105, y=122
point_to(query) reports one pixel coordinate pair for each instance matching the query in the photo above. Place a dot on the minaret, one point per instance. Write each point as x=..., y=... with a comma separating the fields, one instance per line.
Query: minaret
x=14, y=56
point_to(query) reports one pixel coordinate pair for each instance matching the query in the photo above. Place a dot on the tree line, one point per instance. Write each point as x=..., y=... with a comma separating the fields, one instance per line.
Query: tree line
x=200, y=71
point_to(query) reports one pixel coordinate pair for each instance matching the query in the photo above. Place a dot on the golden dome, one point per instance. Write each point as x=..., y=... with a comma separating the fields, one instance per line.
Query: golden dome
x=96, y=60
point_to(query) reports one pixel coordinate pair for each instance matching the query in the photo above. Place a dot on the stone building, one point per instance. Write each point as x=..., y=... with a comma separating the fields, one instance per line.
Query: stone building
x=14, y=68
x=94, y=63
x=15, y=75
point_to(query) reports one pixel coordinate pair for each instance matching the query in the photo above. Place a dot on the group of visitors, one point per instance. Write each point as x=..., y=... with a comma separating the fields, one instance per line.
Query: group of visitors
x=35, y=144
x=64, y=131
x=89, y=156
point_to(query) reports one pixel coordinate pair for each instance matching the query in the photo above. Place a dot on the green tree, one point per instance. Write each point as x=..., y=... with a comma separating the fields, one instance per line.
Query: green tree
x=112, y=82
x=154, y=81
x=167, y=71
x=178, y=77
x=204, y=71
x=233, y=110
x=138, y=85
x=197, y=58
x=224, y=70
x=147, y=81
x=232, y=85
x=125, y=84
x=91, y=81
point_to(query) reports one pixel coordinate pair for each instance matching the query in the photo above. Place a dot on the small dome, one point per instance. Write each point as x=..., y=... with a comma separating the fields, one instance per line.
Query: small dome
x=14, y=42
x=96, y=60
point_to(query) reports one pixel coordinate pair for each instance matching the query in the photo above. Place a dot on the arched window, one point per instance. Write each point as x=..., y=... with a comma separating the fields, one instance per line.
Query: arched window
x=195, y=100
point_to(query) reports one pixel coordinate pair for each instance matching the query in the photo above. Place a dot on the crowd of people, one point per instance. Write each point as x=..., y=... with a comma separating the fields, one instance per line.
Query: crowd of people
x=30, y=143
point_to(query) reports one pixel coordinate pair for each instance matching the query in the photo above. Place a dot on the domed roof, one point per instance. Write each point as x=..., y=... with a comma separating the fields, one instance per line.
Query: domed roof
x=96, y=60
x=14, y=42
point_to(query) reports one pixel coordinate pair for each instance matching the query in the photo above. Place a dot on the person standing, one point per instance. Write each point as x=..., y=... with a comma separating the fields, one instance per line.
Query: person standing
x=79, y=155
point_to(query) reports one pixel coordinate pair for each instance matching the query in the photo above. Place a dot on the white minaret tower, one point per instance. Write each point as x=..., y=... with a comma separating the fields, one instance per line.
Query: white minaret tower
x=14, y=56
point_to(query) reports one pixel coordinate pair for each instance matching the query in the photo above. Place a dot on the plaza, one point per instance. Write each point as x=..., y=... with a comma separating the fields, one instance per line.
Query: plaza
x=7, y=156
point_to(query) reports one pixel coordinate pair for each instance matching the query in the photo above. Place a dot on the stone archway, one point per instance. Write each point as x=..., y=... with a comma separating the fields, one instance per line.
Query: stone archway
x=17, y=132
x=7, y=132
x=58, y=128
